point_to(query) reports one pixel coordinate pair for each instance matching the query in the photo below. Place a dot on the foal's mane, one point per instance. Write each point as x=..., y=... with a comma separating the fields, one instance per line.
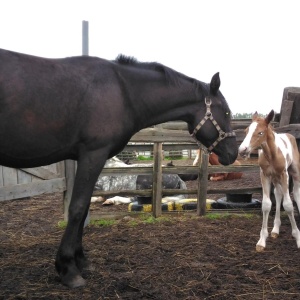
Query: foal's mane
x=170, y=74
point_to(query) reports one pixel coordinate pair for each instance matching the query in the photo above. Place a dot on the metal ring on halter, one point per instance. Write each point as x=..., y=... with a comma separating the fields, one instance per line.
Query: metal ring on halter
x=209, y=116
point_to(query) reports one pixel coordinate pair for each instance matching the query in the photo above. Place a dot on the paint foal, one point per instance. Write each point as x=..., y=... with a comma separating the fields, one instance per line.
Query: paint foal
x=278, y=159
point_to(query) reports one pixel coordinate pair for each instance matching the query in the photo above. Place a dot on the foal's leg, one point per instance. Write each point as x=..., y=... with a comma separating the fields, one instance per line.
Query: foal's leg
x=277, y=222
x=294, y=172
x=70, y=258
x=266, y=207
x=289, y=208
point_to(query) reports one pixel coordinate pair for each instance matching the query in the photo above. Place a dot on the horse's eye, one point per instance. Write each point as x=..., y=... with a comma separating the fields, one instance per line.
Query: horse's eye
x=260, y=133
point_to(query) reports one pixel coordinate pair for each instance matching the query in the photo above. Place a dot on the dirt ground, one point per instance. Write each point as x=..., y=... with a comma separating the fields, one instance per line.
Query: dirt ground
x=179, y=257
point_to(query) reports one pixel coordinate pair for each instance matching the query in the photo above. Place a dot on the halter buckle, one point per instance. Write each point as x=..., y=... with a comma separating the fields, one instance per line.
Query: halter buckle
x=222, y=134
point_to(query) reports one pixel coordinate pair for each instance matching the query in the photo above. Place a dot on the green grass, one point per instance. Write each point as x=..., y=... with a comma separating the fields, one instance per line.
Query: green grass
x=103, y=222
x=149, y=219
x=62, y=224
x=141, y=157
x=213, y=216
x=100, y=223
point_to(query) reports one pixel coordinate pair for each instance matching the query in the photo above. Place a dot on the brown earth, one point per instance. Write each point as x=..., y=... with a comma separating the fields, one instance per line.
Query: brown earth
x=181, y=257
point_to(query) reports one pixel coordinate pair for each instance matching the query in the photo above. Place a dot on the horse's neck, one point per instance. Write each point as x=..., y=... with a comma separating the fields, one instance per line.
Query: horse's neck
x=269, y=147
x=162, y=101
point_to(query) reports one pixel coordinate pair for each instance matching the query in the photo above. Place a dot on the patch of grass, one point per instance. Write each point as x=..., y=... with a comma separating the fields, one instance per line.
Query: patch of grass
x=141, y=157
x=103, y=222
x=62, y=224
x=214, y=216
x=148, y=219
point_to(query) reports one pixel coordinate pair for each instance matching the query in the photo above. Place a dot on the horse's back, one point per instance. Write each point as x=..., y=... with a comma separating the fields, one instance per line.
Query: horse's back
x=49, y=106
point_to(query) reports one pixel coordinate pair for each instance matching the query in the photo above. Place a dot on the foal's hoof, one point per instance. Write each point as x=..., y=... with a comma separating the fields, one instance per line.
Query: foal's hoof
x=260, y=248
x=76, y=282
x=274, y=235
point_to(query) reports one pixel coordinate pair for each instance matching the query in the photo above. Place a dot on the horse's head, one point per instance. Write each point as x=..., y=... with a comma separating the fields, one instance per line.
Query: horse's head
x=256, y=134
x=214, y=124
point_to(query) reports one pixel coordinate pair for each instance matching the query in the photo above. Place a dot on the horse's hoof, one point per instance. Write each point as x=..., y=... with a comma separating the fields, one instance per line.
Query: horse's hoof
x=260, y=248
x=274, y=235
x=76, y=282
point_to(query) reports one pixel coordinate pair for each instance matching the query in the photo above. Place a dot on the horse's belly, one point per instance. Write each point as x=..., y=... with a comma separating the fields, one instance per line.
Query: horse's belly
x=26, y=152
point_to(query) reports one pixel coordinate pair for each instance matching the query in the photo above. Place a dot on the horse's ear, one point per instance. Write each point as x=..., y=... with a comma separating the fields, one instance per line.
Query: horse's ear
x=255, y=115
x=270, y=117
x=215, y=84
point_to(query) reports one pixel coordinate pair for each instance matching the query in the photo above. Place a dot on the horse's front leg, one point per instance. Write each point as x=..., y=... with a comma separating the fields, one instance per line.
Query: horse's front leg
x=70, y=259
x=266, y=207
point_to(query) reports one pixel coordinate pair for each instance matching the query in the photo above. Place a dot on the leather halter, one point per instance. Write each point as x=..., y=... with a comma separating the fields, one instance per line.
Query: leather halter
x=209, y=116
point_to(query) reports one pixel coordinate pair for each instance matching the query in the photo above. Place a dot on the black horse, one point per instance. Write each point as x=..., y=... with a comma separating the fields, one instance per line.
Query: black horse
x=87, y=109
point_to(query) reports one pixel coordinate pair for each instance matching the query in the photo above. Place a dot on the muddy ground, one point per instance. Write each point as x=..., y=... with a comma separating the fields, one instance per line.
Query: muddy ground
x=182, y=257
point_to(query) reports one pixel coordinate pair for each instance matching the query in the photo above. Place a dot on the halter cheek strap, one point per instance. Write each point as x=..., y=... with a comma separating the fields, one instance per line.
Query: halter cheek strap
x=209, y=116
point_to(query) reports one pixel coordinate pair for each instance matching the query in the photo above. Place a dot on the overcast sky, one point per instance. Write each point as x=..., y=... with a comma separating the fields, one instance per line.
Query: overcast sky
x=253, y=44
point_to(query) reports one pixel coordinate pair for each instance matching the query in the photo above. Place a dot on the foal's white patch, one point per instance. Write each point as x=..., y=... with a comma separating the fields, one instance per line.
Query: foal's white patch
x=246, y=143
x=284, y=144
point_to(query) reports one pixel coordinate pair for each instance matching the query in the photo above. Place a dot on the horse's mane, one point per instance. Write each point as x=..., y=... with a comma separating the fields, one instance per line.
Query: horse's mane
x=170, y=74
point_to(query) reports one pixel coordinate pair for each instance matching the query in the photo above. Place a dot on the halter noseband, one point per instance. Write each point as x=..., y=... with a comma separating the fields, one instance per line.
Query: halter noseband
x=209, y=116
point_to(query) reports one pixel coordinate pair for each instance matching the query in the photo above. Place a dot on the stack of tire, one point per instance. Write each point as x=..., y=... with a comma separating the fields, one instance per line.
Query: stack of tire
x=143, y=204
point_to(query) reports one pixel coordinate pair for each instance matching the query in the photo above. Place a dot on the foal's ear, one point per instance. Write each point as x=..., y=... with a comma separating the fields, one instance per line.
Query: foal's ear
x=254, y=116
x=215, y=84
x=270, y=117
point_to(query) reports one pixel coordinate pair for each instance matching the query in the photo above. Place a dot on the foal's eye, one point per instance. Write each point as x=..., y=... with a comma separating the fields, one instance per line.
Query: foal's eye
x=260, y=133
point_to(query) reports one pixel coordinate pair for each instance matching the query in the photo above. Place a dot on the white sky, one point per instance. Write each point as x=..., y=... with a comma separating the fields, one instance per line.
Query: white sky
x=254, y=44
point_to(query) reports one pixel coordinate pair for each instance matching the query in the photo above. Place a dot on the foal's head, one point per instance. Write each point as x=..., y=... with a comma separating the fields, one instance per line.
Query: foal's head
x=256, y=134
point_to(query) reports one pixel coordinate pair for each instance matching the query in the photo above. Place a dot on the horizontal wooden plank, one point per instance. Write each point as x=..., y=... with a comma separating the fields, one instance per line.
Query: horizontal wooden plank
x=157, y=135
x=32, y=189
x=179, y=170
x=293, y=129
x=162, y=135
x=138, y=147
x=40, y=172
x=235, y=124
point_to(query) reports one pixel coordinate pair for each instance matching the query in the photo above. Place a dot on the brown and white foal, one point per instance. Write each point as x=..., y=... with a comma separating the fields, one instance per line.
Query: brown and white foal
x=278, y=159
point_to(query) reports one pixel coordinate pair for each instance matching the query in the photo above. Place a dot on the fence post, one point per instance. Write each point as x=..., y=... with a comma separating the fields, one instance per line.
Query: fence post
x=202, y=183
x=157, y=180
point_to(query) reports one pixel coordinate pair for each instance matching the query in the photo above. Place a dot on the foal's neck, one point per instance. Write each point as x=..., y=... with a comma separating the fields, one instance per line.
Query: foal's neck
x=269, y=147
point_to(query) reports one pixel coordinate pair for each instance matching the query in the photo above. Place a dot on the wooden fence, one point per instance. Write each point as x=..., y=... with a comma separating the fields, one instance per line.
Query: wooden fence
x=159, y=139
x=20, y=183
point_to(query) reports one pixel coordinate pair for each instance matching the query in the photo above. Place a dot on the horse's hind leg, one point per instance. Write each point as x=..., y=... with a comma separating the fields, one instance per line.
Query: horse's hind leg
x=70, y=258
x=296, y=188
x=289, y=208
